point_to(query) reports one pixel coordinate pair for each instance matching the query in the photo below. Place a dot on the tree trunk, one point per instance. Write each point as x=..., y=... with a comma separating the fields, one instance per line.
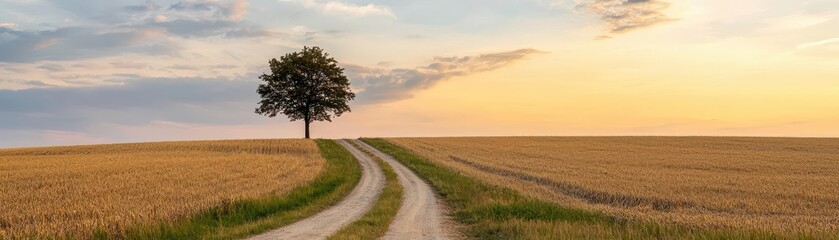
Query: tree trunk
x=307, y=129
x=307, y=118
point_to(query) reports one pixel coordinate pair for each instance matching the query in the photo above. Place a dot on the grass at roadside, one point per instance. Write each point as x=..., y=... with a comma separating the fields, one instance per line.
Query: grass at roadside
x=493, y=212
x=374, y=224
x=247, y=217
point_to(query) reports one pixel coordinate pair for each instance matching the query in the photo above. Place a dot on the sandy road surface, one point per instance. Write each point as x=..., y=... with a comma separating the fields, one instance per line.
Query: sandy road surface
x=354, y=206
x=420, y=217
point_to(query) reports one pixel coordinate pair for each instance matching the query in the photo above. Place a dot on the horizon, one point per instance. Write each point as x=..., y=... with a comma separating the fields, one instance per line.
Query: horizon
x=396, y=137
x=86, y=72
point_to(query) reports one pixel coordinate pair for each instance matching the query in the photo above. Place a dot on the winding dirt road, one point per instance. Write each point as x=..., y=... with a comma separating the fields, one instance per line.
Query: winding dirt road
x=354, y=206
x=420, y=216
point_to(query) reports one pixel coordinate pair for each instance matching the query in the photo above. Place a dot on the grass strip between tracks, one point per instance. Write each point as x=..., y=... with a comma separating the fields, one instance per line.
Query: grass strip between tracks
x=374, y=224
x=243, y=218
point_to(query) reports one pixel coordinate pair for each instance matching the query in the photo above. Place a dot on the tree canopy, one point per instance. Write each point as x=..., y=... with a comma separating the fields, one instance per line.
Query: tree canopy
x=307, y=85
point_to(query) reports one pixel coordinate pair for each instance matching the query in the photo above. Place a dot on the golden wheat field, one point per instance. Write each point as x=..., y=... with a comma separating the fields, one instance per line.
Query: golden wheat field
x=70, y=191
x=772, y=184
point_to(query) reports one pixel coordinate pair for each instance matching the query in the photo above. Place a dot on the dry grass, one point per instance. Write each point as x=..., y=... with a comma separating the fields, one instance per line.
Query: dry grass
x=776, y=184
x=73, y=191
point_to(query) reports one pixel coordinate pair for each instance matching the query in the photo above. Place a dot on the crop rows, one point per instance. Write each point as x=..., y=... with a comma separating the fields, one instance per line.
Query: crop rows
x=75, y=191
x=774, y=184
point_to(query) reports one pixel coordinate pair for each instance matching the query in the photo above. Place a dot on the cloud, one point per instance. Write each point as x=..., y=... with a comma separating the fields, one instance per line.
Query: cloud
x=379, y=84
x=205, y=18
x=8, y=25
x=79, y=43
x=52, y=67
x=27, y=83
x=817, y=43
x=148, y=29
x=210, y=28
x=130, y=65
x=147, y=7
x=100, y=11
x=339, y=7
x=136, y=101
x=237, y=10
x=196, y=6
x=621, y=16
x=234, y=10
x=160, y=18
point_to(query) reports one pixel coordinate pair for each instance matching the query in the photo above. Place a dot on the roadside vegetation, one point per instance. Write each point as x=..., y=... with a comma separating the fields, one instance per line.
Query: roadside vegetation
x=490, y=211
x=169, y=190
x=70, y=191
x=247, y=217
x=374, y=224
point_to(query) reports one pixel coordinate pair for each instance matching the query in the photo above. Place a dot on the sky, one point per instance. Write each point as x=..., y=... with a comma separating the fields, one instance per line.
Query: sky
x=86, y=72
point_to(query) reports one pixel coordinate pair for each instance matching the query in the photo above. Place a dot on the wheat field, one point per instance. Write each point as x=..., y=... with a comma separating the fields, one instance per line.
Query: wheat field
x=73, y=191
x=784, y=185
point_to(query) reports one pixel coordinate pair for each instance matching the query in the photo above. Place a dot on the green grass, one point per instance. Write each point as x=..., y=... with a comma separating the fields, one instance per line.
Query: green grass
x=494, y=212
x=374, y=224
x=243, y=218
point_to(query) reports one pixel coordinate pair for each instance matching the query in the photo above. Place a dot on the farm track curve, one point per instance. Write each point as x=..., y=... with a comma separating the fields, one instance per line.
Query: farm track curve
x=351, y=208
x=421, y=215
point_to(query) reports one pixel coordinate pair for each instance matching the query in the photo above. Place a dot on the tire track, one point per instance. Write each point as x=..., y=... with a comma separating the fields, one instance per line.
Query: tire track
x=355, y=205
x=420, y=216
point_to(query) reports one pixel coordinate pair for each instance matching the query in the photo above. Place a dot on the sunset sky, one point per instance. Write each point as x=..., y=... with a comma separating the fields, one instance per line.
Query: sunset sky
x=81, y=72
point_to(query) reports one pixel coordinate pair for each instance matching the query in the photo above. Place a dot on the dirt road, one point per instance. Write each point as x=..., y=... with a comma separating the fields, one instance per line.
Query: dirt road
x=420, y=217
x=354, y=206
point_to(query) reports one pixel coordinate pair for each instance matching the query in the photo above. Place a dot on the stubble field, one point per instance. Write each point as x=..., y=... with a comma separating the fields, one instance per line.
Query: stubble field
x=75, y=191
x=783, y=185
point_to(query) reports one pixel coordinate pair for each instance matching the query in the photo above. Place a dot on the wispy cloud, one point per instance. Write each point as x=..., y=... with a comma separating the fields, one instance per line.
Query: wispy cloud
x=199, y=5
x=42, y=115
x=621, y=16
x=234, y=10
x=149, y=29
x=817, y=43
x=135, y=101
x=379, y=84
x=52, y=67
x=79, y=43
x=209, y=28
x=25, y=83
x=339, y=7
x=237, y=10
x=8, y=25
x=147, y=7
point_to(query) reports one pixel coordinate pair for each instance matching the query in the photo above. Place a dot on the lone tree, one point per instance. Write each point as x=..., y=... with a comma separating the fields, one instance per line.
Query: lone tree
x=306, y=86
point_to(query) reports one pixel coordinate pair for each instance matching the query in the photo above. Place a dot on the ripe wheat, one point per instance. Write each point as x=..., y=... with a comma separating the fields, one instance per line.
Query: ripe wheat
x=74, y=191
x=775, y=184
